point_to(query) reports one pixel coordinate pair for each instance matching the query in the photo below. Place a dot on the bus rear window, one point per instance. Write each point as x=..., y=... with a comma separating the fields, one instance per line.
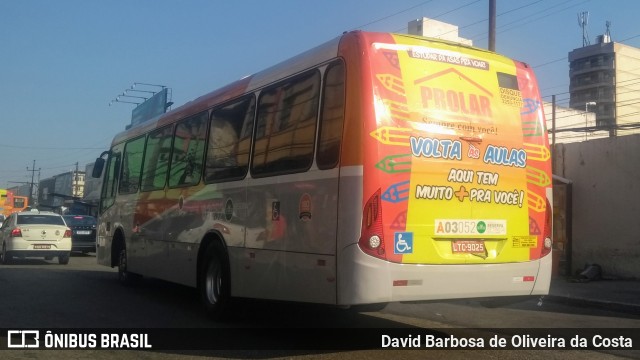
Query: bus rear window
x=18, y=203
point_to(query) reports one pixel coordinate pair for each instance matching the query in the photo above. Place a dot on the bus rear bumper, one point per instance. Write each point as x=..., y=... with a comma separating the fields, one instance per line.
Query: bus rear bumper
x=364, y=279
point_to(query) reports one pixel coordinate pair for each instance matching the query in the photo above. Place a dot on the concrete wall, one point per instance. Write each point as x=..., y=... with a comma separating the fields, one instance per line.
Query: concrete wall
x=606, y=202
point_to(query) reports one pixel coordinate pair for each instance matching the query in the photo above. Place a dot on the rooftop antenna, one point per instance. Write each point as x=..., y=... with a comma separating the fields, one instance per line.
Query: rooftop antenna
x=607, y=33
x=583, y=20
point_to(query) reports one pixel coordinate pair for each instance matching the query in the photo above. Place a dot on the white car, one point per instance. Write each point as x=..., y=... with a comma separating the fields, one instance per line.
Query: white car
x=35, y=234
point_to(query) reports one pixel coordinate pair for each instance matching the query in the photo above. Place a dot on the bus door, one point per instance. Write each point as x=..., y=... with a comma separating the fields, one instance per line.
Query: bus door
x=128, y=199
x=106, y=209
x=153, y=207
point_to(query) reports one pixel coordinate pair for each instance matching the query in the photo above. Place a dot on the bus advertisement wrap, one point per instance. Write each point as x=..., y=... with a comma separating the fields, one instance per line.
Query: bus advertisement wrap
x=460, y=150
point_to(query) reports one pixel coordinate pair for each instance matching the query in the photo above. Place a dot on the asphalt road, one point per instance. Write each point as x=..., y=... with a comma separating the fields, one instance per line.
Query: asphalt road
x=82, y=295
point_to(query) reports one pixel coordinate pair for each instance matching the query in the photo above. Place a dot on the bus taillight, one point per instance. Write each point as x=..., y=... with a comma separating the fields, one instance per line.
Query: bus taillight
x=371, y=237
x=548, y=225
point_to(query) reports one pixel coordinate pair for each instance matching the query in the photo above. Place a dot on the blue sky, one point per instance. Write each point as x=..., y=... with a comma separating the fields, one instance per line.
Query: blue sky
x=64, y=61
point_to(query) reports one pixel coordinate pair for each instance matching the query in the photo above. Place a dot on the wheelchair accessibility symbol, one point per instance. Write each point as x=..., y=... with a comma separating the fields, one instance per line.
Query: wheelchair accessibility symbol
x=403, y=243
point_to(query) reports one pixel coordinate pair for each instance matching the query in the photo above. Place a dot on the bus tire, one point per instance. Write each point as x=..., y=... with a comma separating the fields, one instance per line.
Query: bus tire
x=214, y=287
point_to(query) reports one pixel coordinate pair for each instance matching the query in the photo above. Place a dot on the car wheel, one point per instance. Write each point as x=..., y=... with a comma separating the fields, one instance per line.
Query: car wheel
x=6, y=256
x=63, y=259
x=215, y=283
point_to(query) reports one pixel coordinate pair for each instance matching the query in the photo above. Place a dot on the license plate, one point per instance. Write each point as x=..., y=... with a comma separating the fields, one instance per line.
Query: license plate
x=83, y=232
x=467, y=246
x=42, y=247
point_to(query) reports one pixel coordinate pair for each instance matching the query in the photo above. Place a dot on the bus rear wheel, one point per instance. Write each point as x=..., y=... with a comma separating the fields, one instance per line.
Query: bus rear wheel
x=215, y=283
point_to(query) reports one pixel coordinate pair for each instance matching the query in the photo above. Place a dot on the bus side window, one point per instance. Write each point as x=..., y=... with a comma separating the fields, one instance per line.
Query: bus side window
x=230, y=141
x=132, y=161
x=286, y=126
x=188, y=151
x=332, y=117
x=156, y=159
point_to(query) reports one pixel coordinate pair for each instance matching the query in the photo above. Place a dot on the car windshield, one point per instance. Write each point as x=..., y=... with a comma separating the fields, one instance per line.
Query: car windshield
x=77, y=220
x=40, y=219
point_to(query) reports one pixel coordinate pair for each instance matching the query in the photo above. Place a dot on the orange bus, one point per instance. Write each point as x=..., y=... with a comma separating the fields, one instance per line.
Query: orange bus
x=374, y=168
x=11, y=203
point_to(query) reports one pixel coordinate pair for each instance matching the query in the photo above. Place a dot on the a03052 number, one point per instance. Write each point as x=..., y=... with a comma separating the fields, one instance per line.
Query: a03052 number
x=470, y=227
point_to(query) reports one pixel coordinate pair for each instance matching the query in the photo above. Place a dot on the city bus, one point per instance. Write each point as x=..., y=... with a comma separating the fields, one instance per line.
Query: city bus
x=374, y=168
x=10, y=203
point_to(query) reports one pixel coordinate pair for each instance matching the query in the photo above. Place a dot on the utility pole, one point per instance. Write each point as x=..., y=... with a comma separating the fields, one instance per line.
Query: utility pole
x=553, y=120
x=33, y=173
x=75, y=182
x=492, y=25
x=553, y=131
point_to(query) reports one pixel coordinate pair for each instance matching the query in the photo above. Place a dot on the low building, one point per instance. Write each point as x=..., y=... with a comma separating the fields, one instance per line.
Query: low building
x=572, y=125
x=61, y=190
x=436, y=29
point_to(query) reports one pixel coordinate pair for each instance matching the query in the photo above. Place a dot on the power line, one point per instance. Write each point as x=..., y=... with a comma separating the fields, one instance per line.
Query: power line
x=520, y=21
x=484, y=20
x=625, y=126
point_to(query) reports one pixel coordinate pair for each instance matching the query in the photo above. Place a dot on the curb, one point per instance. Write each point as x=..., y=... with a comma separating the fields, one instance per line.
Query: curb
x=600, y=304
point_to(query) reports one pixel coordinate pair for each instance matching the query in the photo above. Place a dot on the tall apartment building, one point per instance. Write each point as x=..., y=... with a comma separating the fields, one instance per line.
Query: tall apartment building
x=605, y=79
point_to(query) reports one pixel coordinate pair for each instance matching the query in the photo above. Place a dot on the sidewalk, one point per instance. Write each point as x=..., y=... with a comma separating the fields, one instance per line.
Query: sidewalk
x=616, y=295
